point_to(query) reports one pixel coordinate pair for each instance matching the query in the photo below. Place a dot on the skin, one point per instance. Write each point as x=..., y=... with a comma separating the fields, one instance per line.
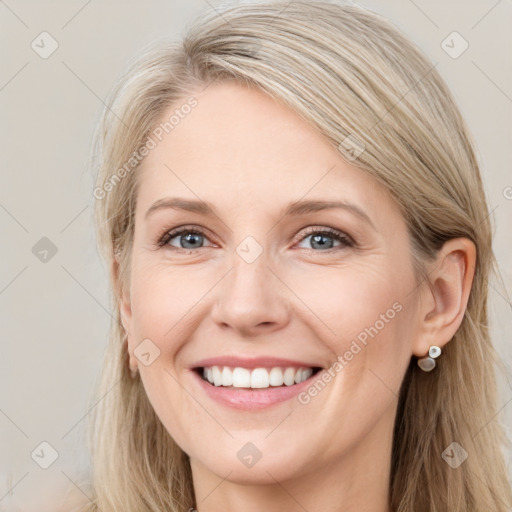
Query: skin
x=250, y=157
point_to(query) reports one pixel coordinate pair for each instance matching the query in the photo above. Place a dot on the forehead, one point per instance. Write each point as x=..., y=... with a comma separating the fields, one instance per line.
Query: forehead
x=239, y=145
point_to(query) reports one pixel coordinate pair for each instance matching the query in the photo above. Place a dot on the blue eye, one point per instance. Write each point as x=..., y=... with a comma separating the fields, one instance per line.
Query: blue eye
x=320, y=238
x=190, y=239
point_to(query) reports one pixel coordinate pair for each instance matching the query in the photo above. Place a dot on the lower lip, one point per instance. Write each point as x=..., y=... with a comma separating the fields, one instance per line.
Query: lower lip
x=252, y=399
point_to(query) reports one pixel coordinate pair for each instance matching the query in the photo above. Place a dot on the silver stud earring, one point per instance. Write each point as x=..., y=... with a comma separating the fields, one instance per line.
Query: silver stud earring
x=428, y=363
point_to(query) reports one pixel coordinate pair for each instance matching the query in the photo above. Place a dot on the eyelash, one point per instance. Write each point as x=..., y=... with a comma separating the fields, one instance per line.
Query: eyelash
x=337, y=235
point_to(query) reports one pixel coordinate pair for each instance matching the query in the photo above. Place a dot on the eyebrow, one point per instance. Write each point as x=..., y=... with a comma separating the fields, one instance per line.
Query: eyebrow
x=300, y=207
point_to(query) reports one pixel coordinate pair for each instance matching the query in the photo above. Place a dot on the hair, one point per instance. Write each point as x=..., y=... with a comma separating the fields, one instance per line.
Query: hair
x=347, y=71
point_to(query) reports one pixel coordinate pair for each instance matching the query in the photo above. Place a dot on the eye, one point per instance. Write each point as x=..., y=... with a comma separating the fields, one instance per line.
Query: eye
x=322, y=239
x=187, y=239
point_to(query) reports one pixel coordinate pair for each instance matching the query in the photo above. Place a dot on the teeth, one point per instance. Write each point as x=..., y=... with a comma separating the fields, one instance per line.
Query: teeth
x=276, y=377
x=241, y=378
x=227, y=377
x=289, y=376
x=217, y=376
x=257, y=378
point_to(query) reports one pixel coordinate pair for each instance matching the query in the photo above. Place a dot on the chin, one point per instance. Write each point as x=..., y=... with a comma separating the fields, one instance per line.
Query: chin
x=276, y=466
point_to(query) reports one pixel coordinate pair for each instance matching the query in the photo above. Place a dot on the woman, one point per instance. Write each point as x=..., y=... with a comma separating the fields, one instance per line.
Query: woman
x=300, y=248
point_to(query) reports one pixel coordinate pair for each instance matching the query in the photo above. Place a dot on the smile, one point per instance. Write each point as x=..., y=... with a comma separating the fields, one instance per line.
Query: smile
x=237, y=387
x=255, y=378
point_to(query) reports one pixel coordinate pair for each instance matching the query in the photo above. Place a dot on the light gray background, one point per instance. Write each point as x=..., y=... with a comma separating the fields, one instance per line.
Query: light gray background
x=55, y=315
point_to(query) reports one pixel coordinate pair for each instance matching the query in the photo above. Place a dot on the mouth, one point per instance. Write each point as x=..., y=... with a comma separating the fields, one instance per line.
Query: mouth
x=255, y=378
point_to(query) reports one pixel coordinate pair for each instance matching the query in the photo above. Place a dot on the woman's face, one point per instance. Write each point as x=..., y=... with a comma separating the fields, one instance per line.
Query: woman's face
x=260, y=282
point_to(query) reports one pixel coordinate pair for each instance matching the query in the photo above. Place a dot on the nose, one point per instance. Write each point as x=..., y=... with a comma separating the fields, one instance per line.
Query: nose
x=251, y=300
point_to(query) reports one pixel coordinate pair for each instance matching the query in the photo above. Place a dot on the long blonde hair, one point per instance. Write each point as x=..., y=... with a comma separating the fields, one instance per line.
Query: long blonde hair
x=349, y=72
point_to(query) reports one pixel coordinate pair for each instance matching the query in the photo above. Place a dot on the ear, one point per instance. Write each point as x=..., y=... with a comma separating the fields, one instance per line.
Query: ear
x=124, y=298
x=445, y=295
x=125, y=310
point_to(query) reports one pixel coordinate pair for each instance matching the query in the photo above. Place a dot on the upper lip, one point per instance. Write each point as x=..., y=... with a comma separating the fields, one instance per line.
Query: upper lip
x=253, y=362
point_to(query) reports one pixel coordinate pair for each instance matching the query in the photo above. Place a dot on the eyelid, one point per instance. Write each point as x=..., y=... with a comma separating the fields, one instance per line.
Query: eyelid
x=333, y=232
x=341, y=236
x=169, y=234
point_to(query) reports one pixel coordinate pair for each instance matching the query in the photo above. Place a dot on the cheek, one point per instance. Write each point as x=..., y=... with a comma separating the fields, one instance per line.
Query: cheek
x=349, y=300
x=163, y=299
x=365, y=317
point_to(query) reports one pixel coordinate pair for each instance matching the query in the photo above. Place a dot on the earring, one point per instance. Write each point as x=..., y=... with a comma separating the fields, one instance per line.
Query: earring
x=427, y=364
